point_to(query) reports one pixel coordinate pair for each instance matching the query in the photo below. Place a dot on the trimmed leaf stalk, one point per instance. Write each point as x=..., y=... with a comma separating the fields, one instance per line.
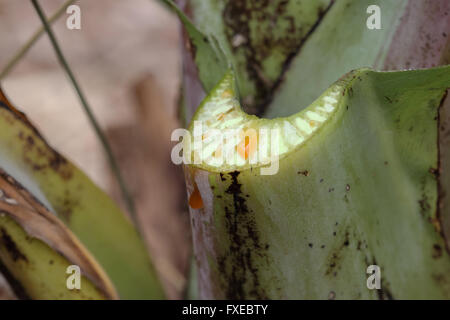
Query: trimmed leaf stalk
x=364, y=186
x=369, y=187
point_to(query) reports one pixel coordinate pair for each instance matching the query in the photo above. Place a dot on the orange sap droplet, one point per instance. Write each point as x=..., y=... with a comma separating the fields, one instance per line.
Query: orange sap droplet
x=248, y=145
x=195, y=200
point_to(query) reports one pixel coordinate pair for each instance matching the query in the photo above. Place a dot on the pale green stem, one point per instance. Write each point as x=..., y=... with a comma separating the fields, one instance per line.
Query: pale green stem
x=115, y=168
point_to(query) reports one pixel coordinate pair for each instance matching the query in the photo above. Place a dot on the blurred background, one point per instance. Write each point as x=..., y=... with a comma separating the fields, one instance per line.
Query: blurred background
x=126, y=57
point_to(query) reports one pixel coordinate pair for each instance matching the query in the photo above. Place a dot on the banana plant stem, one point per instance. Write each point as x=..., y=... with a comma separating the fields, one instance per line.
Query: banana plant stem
x=109, y=154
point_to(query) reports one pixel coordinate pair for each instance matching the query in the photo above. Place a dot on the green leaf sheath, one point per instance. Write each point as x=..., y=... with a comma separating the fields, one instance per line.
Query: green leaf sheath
x=259, y=38
x=362, y=190
x=286, y=53
x=208, y=55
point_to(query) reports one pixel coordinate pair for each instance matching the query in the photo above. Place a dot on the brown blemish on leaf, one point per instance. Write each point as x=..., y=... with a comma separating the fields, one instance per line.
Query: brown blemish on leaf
x=384, y=293
x=65, y=205
x=35, y=150
x=41, y=159
x=241, y=278
x=336, y=255
x=8, y=243
x=14, y=284
x=424, y=206
x=438, y=219
x=443, y=280
x=332, y=264
x=437, y=251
